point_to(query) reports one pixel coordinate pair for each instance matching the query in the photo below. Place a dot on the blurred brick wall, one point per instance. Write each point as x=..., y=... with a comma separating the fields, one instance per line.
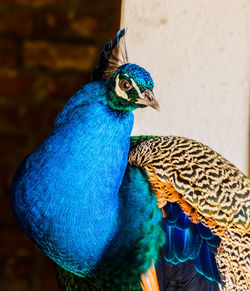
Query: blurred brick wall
x=47, y=52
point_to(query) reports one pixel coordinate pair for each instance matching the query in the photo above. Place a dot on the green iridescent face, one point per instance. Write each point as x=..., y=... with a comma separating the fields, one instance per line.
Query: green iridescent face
x=129, y=88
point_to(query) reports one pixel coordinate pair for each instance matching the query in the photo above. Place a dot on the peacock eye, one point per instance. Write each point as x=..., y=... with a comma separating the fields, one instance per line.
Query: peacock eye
x=125, y=85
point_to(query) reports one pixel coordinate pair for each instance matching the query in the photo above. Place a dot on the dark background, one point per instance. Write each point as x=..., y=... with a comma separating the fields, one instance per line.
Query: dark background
x=47, y=51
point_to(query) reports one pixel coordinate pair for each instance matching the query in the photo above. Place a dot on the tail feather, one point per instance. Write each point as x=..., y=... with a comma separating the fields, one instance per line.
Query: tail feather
x=186, y=241
x=204, y=231
x=187, y=245
x=182, y=277
x=149, y=281
x=206, y=265
x=183, y=221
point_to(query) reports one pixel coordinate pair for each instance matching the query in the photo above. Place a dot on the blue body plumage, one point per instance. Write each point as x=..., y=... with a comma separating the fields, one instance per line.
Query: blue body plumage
x=65, y=189
x=65, y=194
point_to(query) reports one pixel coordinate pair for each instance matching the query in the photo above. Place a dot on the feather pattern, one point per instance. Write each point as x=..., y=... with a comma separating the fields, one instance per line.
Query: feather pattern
x=212, y=193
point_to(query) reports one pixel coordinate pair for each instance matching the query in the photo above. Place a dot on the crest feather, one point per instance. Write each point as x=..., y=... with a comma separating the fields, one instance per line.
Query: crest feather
x=112, y=57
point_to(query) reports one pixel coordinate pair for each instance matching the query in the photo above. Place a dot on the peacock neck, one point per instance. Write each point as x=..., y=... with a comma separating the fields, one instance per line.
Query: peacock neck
x=73, y=180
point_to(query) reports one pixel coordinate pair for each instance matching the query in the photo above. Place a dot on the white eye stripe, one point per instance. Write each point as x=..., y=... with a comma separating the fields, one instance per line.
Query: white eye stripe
x=137, y=89
x=119, y=92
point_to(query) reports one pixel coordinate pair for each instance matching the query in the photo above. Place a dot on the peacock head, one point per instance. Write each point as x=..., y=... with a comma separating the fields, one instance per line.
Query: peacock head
x=128, y=86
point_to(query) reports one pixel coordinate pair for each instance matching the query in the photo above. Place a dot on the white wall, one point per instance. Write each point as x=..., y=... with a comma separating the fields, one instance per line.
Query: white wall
x=197, y=52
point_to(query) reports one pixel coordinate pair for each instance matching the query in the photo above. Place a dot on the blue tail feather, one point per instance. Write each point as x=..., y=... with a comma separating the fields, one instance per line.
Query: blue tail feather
x=214, y=242
x=206, y=265
x=183, y=221
x=168, y=249
x=182, y=276
x=204, y=231
x=172, y=212
x=187, y=241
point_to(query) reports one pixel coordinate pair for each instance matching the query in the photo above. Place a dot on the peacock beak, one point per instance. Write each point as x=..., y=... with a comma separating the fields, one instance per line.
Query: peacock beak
x=148, y=99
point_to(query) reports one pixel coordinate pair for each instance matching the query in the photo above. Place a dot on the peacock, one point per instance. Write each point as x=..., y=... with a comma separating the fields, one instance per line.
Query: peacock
x=116, y=212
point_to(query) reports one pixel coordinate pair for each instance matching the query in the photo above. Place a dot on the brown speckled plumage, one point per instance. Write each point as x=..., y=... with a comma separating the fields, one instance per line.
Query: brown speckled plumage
x=209, y=189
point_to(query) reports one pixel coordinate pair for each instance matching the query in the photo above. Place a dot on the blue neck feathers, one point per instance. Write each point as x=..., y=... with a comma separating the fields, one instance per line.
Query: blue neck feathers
x=65, y=194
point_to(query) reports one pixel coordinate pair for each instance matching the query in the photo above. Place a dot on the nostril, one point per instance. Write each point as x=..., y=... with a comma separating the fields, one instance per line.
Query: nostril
x=148, y=95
